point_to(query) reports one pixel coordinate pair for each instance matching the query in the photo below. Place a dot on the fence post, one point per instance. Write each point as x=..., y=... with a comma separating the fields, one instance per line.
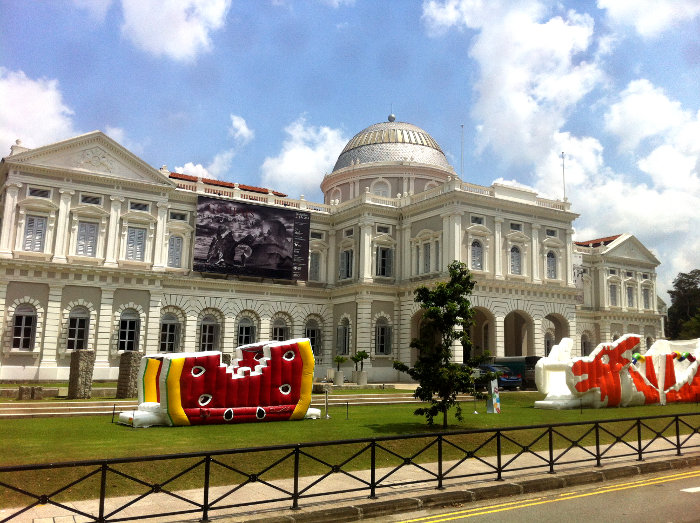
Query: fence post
x=103, y=491
x=639, y=440
x=678, y=436
x=205, y=504
x=498, y=455
x=439, y=442
x=597, y=445
x=295, y=495
x=551, y=450
x=373, y=470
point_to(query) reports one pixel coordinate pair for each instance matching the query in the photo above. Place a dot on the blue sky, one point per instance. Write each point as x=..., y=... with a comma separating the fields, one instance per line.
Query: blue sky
x=268, y=92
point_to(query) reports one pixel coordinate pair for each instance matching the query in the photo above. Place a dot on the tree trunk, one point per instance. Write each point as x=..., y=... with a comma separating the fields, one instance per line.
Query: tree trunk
x=444, y=418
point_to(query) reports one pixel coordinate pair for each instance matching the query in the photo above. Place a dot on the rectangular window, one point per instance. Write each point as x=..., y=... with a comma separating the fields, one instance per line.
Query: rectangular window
x=417, y=259
x=128, y=334
x=552, y=233
x=348, y=232
x=613, y=295
x=630, y=296
x=135, y=243
x=315, y=235
x=382, y=340
x=385, y=261
x=246, y=334
x=629, y=274
x=645, y=276
x=345, y=265
x=35, y=233
x=314, y=335
x=139, y=206
x=426, y=258
x=477, y=220
x=39, y=193
x=383, y=229
x=87, y=239
x=89, y=199
x=23, y=331
x=175, y=251
x=343, y=340
x=169, y=337
x=315, y=266
x=613, y=272
x=208, y=336
x=77, y=333
x=516, y=226
x=646, y=297
x=178, y=216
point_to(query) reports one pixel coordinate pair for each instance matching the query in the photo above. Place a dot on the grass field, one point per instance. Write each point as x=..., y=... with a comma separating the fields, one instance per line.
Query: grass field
x=44, y=440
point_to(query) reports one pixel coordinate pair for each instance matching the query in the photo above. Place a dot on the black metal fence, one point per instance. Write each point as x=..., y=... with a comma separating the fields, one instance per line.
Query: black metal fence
x=282, y=476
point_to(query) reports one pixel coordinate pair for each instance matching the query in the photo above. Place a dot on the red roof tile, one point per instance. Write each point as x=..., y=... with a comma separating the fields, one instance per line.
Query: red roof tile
x=219, y=183
x=599, y=241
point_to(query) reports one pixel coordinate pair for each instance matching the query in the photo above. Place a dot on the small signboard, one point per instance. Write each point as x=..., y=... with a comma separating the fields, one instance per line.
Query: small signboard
x=493, y=402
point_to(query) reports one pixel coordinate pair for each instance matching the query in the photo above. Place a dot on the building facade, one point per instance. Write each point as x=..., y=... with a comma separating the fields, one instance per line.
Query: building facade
x=96, y=252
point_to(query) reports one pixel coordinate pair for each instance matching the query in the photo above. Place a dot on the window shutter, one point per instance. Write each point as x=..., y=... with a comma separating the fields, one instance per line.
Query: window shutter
x=389, y=262
x=339, y=335
x=175, y=251
x=387, y=344
x=342, y=265
x=349, y=266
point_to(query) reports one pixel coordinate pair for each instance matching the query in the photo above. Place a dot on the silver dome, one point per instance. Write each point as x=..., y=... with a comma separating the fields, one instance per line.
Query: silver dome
x=392, y=142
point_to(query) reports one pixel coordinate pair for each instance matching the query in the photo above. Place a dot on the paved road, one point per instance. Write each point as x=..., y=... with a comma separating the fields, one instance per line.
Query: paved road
x=671, y=496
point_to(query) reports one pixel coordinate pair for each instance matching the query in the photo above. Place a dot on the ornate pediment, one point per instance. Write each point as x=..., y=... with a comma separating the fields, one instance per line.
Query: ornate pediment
x=630, y=248
x=92, y=154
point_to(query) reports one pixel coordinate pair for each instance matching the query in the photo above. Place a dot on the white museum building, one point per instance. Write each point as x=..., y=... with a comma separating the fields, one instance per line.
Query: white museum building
x=97, y=250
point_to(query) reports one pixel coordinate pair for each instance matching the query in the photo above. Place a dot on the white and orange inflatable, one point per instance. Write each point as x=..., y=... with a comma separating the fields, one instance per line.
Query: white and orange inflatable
x=614, y=375
x=268, y=381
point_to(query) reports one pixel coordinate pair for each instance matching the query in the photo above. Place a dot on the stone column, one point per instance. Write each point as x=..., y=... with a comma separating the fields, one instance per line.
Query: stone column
x=603, y=289
x=452, y=237
x=405, y=232
x=152, y=344
x=113, y=231
x=104, y=328
x=498, y=250
x=8, y=220
x=365, y=248
x=230, y=336
x=569, y=257
x=82, y=364
x=363, y=338
x=52, y=327
x=536, y=254
x=160, y=254
x=62, y=226
x=538, y=337
x=189, y=343
x=128, y=382
x=332, y=271
x=500, y=336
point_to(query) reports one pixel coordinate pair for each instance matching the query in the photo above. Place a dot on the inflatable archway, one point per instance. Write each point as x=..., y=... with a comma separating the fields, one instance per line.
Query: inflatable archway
x=269, y=381
x=615, y=375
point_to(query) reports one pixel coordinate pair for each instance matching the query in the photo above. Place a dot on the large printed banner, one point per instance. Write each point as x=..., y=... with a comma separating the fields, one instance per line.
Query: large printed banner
x=233, y=237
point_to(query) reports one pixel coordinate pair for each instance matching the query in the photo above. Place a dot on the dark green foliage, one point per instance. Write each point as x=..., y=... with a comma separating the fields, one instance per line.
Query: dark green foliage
x=449, y=315
x=360, y=357
x=685, y=304
x=339, y=360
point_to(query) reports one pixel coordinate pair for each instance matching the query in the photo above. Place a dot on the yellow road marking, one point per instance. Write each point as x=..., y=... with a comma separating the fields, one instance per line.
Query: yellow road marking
x=536, y=501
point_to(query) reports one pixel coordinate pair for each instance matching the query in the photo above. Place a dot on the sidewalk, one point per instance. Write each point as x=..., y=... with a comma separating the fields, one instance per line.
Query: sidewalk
x=391, y=499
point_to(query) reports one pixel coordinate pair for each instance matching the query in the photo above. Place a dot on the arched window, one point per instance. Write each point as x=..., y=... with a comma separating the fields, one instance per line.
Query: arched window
x=477, y=256
x=24, y=327
x=280, y=331
x=515, y=266
x=551, y=266
x=382, y=337
x=246, y=331
x=381, y=189
x=175, y=251
x=209, y=334
x=313, y=332
x=343, y=337
x=169, y=333
x=78, y=324
x=129, y=327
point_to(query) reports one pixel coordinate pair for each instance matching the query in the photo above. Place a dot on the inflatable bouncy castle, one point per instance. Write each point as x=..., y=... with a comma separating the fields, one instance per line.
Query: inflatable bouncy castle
x=268, y=381
x=615, y=375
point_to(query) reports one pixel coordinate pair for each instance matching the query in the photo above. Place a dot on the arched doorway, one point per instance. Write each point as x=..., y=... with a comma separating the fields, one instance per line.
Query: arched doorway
x=518, y=334
x=555, y=327
x=423, y=331
x=483, y=332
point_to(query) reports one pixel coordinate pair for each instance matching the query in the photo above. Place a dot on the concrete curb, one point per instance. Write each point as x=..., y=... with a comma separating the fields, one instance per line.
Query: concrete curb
x=458, y=495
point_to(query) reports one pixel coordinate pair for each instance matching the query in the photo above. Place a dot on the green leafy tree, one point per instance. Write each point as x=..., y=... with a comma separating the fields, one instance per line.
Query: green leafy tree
x=691, y=328
x=339, y=360
x=449, y=315
x=685, y=304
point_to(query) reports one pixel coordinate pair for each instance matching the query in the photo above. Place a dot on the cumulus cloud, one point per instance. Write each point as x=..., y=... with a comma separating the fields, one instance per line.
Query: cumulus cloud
x=32, y=110
x=306, y=154
x=533, y=70
x=221, y=163
x=650, y=18
x=177, y=29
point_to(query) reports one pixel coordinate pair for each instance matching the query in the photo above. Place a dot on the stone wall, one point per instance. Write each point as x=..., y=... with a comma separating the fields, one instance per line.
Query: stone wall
x=82, y=363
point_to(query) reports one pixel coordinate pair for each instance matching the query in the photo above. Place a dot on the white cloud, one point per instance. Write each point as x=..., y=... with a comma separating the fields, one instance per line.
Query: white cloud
x=177, y=29
x=306, y=154
x=221, y=163
x=650, y=17
x=97, y=9
x=643, y=111
x=32, y=110
x=532, y=71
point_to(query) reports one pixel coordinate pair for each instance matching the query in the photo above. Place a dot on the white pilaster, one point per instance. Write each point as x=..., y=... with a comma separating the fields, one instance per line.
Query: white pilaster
x=365, y=257
x=62, y=225
x=113, y=231
x=161, y=247
x=104, y=328
x=8, y=219
x=52, y=327
x=498, y=251
x=569, y=265
x=153, y=323
x=536, y=254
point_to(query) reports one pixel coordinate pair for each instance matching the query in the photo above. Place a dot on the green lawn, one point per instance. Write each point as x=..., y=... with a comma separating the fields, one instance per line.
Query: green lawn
x=65, y=439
